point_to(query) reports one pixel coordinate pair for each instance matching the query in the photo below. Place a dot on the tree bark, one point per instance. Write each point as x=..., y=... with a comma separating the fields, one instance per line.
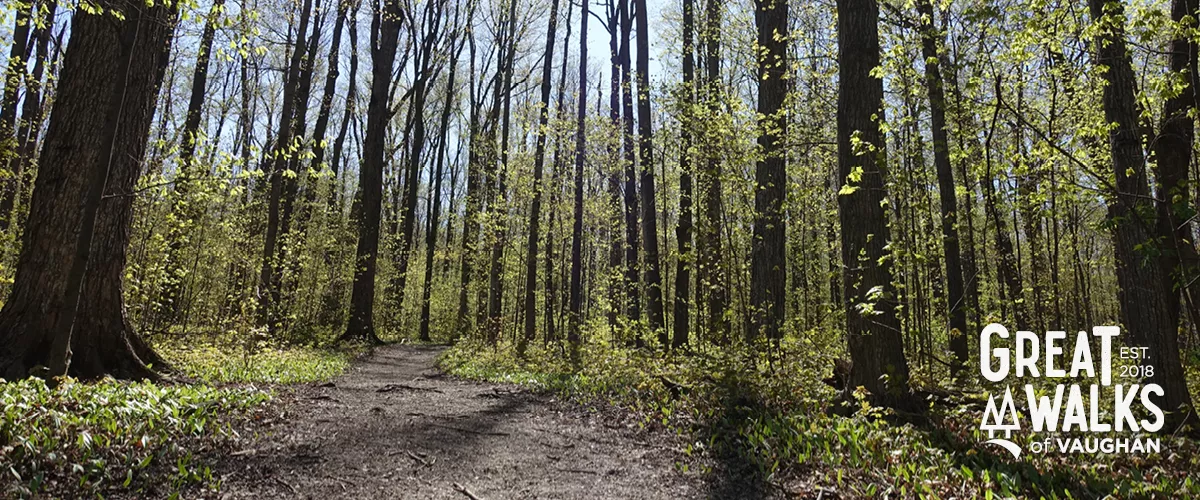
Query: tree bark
x=1143, y=294
x=683, y=231
x=947, y=194
x=535, y=210
x=768, y=265
x=876, y=346
x=66, y=302
x=385, y=28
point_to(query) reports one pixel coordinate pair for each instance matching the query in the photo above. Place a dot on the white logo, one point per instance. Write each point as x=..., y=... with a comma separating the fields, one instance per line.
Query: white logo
x=1031, y=356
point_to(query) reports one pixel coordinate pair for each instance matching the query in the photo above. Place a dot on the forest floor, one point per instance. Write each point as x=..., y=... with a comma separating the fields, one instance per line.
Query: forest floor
x=395, y=426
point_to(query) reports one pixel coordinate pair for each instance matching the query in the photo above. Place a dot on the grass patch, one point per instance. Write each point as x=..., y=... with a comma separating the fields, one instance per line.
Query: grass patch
x=771, y=422
x=224, y=363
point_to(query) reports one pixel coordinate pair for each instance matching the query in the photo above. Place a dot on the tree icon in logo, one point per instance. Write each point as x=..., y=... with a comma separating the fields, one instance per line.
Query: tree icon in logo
x=994, y=420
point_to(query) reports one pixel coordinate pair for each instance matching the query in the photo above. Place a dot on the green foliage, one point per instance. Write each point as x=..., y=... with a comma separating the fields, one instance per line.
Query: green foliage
x=97, y=437
x=774, y=417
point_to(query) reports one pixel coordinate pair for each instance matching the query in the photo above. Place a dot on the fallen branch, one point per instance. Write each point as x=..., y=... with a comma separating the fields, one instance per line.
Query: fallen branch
x=290, y=487
x=578, y=471
x=468, y=431
x=418, y=459
x=393, y=387
x=463, y=489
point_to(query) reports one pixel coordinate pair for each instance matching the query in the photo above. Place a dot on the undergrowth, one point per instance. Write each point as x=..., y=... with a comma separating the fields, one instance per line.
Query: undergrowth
x=102, y=436
x=771, y=421
x=93, y=439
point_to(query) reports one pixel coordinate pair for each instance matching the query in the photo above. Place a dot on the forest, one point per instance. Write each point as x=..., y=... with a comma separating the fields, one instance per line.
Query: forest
x=775, y=247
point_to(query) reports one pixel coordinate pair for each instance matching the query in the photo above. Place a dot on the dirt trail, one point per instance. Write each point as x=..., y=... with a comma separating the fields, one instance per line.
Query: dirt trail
x=394, y=426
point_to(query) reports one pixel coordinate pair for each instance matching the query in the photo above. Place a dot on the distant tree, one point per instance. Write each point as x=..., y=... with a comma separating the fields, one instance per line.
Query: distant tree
x=14, y=69
x=385, y=37
x=576, y=317
x=535, y=210
x=683, y=231
x=654, y=293
x=947, y=192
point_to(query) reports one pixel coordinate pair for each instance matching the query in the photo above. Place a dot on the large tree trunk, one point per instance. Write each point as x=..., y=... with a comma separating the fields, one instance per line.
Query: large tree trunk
x=535, y=210
x=654, y=300
x=768, y=266
x=98, y=129
x=1144, y=293
x=947, y=193
x=876, y=345
x=683, y=231
x=386, y=25
x=1173, y=156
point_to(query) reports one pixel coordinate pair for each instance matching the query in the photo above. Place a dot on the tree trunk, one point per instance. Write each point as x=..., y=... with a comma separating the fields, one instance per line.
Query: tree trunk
x=386, y=29
x=1143, y=291
x=654, y=300
x=498, y=210
x=31, y=123
x=683, y=231
x=576, y=318
x=552, y=308
x=427, y=43
x=436, y=203
x=13, y=72
x=876, y=346
x=535, y=210
x=633, y=272
x=68, y=285
x=768, y=265
x=332, y=303
x=269, y=285
x=947, y=194
x=1173, y=156
x=712, y=280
